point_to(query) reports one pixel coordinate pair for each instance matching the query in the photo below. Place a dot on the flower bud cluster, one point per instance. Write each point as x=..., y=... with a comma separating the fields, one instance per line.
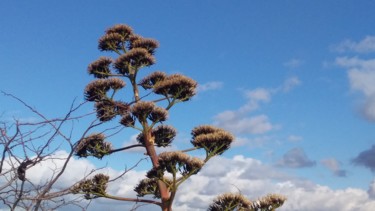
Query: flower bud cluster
x=269, y=202
x=229, y=201
x=100, y=68
x=176, y=86
x=92, y=188
x=163, y=135
x=97, y=89
x=93, y=145
x=174, y=162
x=214, y=140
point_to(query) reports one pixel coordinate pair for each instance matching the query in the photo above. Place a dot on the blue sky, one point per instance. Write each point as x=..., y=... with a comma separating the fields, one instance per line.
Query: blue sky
x=293, y=80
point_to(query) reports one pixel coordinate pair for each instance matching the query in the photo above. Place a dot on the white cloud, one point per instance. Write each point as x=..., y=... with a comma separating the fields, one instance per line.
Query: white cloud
x=212, y=85
x=293, y=63
x=367, y=45
x=236, y=123
x=239, y=121
x=250, y=176
x=361, y=74
x=371, y=190
x=255, y=179
x=290, y=83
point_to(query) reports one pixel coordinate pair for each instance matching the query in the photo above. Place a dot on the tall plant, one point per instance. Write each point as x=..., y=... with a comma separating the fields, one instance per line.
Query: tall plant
x=147, y=115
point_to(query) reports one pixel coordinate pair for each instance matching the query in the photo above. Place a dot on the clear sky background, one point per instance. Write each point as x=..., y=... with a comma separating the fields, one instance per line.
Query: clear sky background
x=293, y=80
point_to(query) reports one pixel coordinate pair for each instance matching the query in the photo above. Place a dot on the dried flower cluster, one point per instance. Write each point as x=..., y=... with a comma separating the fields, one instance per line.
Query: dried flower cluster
x=149, y=81
x=115, y=38
x=100, y=68
x=147, y=187
x=214, y=140
x=143, y=110
x=92, y=188
x=269, y=202
x=93, y=145
x=229, y=201
x=174, y=162
x=176, y=86
x=97, y=89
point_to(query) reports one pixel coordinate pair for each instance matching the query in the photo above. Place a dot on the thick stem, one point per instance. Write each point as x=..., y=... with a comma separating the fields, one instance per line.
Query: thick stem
x=150, y=148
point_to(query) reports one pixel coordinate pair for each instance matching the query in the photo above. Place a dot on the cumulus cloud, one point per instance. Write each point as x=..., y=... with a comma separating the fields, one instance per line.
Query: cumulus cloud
x=250, y=176
x=295, y=158
x=254, y=179
x=334, y=166
x=212, y=85
x=239, y=121
x=366, y=158
x=361, y=74
x=367, y=45
x=371, y=190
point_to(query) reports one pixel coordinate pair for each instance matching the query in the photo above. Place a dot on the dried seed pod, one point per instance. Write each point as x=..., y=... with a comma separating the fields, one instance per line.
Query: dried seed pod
x=214, y=140
x=135, y=58
x=127, y=120
x=158, y=114
x=177, y=86
x=163, y=135
x=142, y=109
x=105, y=110
x=93, y=145
x=111, y=42
x=149, y=81
x=96, y=90
x=115, y=83
x=147, y=186
x=149, y=44
x=269, y=202
x=92, y=188
x=100, y=68
x=229, y=201
x=123, y=30
x=177, y=161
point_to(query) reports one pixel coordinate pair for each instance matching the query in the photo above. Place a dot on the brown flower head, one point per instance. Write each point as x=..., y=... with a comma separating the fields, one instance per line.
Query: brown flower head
x=127, y=120
x=229, y=201
x=142, y=109
x=96, y=90
x=149, y=81
x=179, y=161
x=115, y=83
x=155, y=173
x=92, y=188
x=93, y=145
x=204, y=129
x=122, y=108
x=149, y=44
x=269, y=202
x=158, y=114
x=111, y=42
x=123, y=30
x=106, y=110
x=214, y=140
x=177, y=86
x=146, y=187
x=100, y=68
x=135, y=58
x=164, y=135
